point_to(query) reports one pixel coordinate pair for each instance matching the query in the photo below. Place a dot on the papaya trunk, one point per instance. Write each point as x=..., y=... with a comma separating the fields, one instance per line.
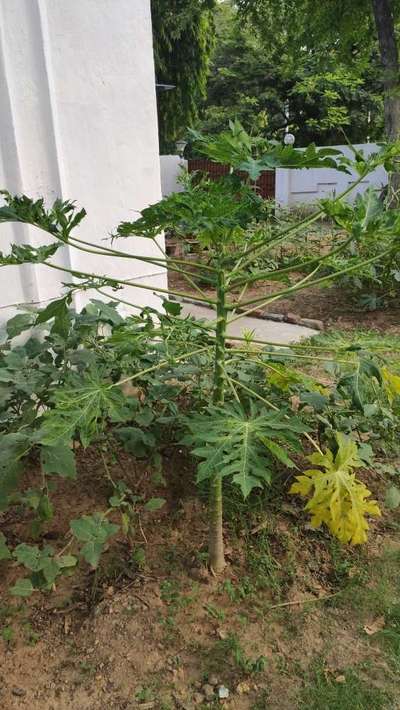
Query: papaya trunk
x=216, y=542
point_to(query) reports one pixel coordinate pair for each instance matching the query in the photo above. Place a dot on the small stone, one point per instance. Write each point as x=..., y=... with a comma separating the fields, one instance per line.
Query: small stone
x=243, y=688
x=340, y=679
x=313, y=323
x=208, y=691
x=292, y=318
x=222, y=634
x=257, y=313
x=277, y=317
x=198, y=698
x=223, y=692
x=19, y=692
x=213, y=680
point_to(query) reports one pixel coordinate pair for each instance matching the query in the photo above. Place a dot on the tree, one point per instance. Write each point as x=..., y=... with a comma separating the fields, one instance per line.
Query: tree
x=355, y=27
x=385, y=25
x=183, y=39
x=272, y=85
x=242, y=433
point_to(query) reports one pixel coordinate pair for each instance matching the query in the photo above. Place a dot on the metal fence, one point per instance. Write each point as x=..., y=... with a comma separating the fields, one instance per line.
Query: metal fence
x=265, y=183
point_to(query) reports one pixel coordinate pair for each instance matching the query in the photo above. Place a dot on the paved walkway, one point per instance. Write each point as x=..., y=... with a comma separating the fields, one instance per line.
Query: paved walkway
x=284, y=333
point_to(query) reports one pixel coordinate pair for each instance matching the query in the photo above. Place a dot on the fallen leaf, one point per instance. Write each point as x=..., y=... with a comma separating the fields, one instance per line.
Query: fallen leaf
x=375, y=626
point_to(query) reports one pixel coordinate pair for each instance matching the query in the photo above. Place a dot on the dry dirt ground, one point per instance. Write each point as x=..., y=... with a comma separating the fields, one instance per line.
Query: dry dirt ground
x=332, y=305
x=157, y=631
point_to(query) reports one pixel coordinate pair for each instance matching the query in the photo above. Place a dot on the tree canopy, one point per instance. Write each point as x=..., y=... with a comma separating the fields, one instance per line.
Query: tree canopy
x=183, y=40
x=264, y=74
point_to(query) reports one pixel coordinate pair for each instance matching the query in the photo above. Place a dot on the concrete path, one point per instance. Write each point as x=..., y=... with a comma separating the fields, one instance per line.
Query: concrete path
x=261, y=329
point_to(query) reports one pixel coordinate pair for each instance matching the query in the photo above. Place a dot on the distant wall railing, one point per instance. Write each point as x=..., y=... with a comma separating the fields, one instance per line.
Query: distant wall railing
x=265, y=184
x=287, y=187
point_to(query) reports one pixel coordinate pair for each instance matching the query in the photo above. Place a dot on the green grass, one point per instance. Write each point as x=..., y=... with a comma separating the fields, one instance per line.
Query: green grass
x=374, y=588
x=229, y=654
x=356, y=693
x=367, y=339
x=389, y=637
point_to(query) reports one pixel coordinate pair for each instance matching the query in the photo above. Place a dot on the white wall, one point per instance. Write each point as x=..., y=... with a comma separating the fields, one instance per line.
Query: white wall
x=302, y=186
x=171, y=169
x=78, y=121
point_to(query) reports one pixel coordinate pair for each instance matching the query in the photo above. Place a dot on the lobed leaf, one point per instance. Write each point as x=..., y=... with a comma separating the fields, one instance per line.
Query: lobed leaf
x=338, y=499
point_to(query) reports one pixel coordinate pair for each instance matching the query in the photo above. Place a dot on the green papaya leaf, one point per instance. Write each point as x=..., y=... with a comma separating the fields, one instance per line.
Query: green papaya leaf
x=173, y=308
x=22, y=321
x=314, y=399
x=58, y=310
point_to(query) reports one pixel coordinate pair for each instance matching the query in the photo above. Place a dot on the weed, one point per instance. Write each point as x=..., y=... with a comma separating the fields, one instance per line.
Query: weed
x=390, y=635
x=86, y=668
x=169, y=590
x=31, y=636
x=355, y=693
x=215, y=612
x=262, y=701
x=7, y=634
x=262, y=565
x=367, y=339
x=238, y=591
x=144, y=695
x=231, y=647
x=341, y=562
x=372, y=590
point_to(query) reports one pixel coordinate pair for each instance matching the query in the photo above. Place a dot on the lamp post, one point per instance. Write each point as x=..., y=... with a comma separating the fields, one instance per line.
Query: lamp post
x=180, y=146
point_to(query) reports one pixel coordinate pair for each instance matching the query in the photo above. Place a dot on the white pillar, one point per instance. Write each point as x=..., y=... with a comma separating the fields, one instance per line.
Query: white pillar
x=78, y=120
x=282, y=187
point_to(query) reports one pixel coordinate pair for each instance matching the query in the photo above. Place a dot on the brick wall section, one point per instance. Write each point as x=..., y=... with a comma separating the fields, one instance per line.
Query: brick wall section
x=265, y=183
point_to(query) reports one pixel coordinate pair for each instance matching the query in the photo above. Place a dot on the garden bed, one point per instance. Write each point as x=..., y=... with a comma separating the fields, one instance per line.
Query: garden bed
x=332, y=305
x=294, y=618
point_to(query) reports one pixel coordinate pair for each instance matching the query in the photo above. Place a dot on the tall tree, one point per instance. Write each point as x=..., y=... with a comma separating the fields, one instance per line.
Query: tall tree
x=385, y=25
x=183, y=39
x=274, y=84
x=353, y=27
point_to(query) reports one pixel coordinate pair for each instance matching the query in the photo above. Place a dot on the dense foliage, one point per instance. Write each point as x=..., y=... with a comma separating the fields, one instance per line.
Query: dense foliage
x=183, y=39
x=266, y=76
x=361, y=32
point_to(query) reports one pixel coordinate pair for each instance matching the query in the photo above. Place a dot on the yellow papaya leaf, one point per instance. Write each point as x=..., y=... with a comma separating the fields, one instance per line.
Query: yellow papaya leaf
x=282, y=377
x=391, y=383
x=339, y=499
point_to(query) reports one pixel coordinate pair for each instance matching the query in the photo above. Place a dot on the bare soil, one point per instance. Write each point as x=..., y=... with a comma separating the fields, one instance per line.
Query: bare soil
x=332, y=305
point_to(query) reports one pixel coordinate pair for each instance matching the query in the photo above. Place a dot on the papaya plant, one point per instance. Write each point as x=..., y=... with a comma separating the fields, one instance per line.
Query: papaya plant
x=240, y=433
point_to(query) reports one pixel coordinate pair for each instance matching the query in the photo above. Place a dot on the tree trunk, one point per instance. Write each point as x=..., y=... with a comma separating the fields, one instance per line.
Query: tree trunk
x=216, y=541
x=389, y=54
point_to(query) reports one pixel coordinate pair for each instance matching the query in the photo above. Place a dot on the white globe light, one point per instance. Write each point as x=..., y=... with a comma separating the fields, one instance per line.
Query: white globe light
x=289, y=139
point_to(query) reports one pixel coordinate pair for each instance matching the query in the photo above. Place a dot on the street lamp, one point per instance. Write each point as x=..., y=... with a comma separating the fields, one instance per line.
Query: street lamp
x=289, y=139
x=180, y=146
